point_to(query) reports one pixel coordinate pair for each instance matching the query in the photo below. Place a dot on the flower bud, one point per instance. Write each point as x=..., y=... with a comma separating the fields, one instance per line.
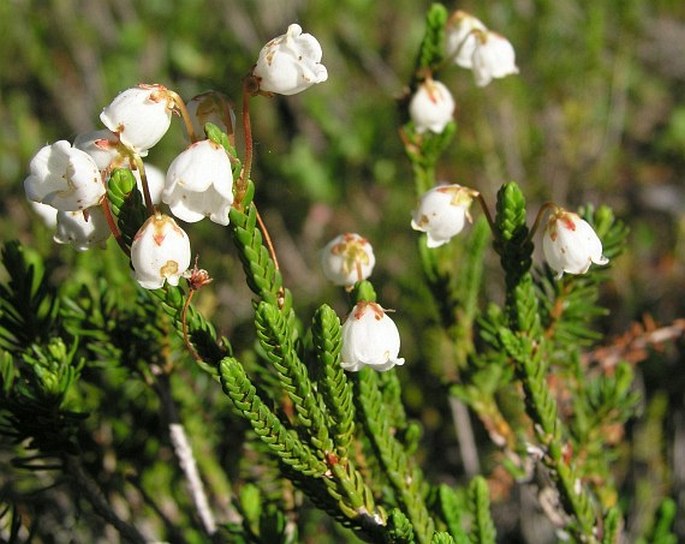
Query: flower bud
x=570, y=244
x=64, y=177
x=199, y=184
x=347, y=259
x=442, y=213
x=160, y=252
x=369, y=338
x=140, y=116
x=494, y=57
x=431, y=107
x=290, y=63
x=83, y=229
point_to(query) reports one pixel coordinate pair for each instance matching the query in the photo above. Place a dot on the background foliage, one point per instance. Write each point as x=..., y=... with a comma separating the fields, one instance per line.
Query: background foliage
x=595, y=116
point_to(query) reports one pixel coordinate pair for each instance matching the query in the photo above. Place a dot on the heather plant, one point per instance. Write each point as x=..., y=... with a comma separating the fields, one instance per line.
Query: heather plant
x=118, y=386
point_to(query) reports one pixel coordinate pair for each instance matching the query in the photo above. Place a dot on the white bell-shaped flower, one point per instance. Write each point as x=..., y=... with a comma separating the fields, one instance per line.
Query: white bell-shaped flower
x=442, y=213
x=290, y=63
x=369, y=338
x=431, y=107
x=83, y=229
x=211, y=107
x=347, y=259
x=461, y=39
x=570, y=244
x=64, y=177
x=156, y=180
x=47, y=213
x=140, y=116
x=199, y=184
x=494, y=57
x=160, y=252
x=103, y=146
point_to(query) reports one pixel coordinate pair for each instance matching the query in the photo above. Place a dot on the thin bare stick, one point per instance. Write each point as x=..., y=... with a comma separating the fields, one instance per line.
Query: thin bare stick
x=186, y=460
x=184, y=455
x=467, y=442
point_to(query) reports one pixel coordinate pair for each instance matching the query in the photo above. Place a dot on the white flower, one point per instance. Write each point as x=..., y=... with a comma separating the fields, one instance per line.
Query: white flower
x=347, y=259
x=199, y=184
x=160, y=252
x=140, y=116
x=64, y=177
x=211, y=107
x=461, y=37
x=473, y=46
x=494, y=57
x=570, y=244
x=369, y=338
x=290, y=63
x=155, y=182
x=431, y=107
x=442, y=213
x=83, y=229
x=47, y=213
x=103, y=146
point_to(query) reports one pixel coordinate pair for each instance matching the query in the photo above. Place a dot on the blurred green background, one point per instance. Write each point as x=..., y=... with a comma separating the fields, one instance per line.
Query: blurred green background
x=595, y=116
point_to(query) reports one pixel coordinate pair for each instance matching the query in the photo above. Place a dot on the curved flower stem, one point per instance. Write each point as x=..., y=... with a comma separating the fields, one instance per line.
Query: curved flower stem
x=138, y=163
x=272, y=252
x=183, y=112
x=486, y=211
x=538, y=219
x=112, y=224
x=248, y=91
x=184, y=328
x=228, y=118
x=267, y=239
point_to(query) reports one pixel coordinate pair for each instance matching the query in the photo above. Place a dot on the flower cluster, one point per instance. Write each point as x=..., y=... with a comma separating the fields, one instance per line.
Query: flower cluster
x=67, y=183
x=569, y=244
x=470, y=45
x=369, y=337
